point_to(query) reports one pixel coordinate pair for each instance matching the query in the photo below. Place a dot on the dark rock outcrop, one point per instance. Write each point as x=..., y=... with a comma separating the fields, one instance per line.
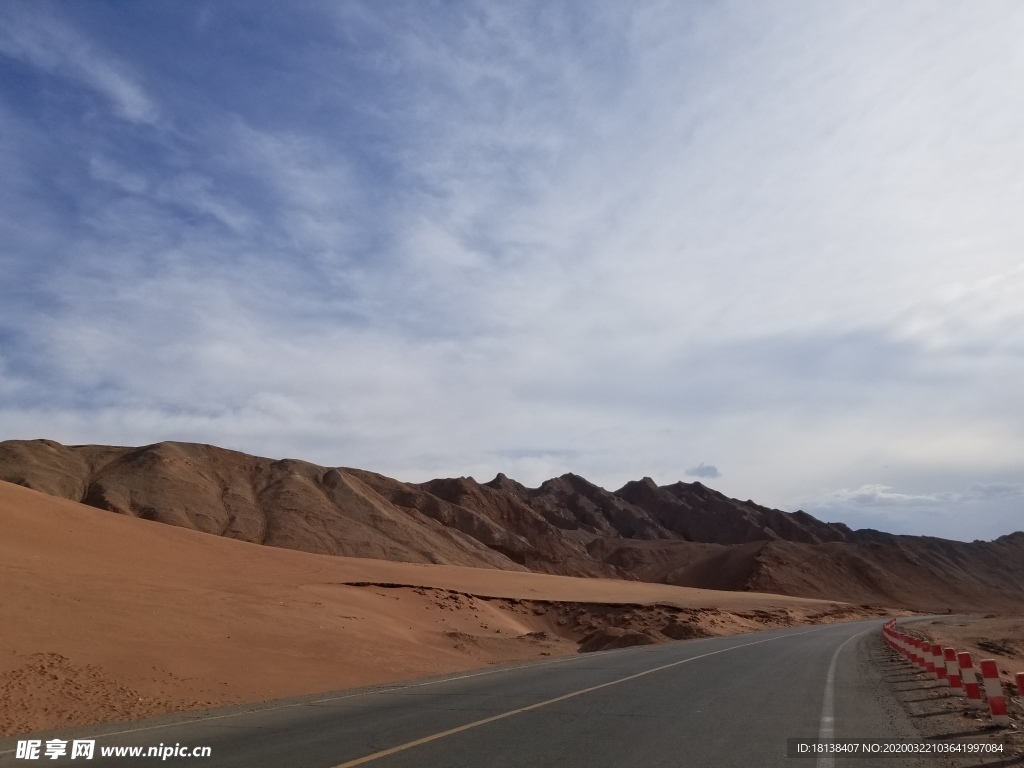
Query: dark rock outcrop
x=684, y=534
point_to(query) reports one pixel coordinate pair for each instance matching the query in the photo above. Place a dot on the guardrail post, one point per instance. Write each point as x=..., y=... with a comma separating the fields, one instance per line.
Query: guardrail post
x=938, y=662
x=922, y=657
x=929, y=660
x=953, y=670
x=971, y=687
x=994, y=692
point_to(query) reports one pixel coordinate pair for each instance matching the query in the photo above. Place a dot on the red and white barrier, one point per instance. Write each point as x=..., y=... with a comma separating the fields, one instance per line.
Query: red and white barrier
x=971, y=687
x=922, y=658
x=957, y=669
x=902, y=645
x=994, y=692
x=952, y=669
x=908, y=643
x=939, y=661
x=929, y=660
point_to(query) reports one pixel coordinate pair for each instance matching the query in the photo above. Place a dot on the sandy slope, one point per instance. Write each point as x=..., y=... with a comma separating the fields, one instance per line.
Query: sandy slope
x=110, y=617
x=986, y=637
x=683, y=534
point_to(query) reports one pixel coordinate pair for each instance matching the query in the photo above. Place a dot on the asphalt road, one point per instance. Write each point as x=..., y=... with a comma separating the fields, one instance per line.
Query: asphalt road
x=716, y=702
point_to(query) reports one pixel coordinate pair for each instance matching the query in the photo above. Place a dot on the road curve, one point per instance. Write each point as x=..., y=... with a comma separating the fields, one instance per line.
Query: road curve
x=730, y=701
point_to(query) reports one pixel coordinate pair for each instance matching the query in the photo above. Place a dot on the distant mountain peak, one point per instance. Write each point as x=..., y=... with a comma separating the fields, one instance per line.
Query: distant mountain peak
x=684, y=533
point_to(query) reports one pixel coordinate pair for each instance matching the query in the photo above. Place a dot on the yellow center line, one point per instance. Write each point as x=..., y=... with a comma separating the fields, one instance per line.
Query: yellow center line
x=539, y=704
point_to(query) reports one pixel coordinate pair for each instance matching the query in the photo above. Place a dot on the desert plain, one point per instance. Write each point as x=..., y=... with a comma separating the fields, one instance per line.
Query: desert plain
x=108, y=617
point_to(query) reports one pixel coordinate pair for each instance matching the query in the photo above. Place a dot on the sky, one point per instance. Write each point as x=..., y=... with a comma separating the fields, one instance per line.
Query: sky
x=777, y=247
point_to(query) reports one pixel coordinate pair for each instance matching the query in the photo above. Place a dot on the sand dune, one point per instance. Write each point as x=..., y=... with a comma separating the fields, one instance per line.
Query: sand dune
x=683, y=534
x=111, y=617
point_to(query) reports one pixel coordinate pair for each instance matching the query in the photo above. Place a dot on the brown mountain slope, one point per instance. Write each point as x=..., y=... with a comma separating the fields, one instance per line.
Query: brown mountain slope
x=697, y=513
x=683, y=534
x=287, y=503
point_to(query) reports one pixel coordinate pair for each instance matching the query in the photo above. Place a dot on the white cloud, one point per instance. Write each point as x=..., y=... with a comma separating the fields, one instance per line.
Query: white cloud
x=989, y=491
x=45, y=41
x=981, y=510
x=536, y=240
x=874, y=493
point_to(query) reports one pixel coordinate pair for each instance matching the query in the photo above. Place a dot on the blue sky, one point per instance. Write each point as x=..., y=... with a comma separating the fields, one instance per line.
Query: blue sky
x=777, y=246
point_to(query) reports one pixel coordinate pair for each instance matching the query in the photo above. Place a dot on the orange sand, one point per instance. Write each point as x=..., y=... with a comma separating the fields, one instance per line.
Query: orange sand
x=108, y=617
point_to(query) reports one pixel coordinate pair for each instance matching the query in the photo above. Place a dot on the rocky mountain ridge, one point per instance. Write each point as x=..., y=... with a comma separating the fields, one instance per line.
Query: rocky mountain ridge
x=685, y=533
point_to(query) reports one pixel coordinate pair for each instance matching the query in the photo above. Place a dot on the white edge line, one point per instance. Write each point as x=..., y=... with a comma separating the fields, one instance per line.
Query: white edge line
x=827, y=729
x=395, y=688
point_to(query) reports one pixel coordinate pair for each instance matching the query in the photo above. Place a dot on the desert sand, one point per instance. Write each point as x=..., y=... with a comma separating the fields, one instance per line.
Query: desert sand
x=684, y=534
x=108, y=617
x=985, y=637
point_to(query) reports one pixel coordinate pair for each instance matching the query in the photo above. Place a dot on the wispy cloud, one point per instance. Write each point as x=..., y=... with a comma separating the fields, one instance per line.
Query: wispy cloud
x=990, y=491
x=981, y=510
x=43, y=40
x=875, y=494
x=586, y=237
